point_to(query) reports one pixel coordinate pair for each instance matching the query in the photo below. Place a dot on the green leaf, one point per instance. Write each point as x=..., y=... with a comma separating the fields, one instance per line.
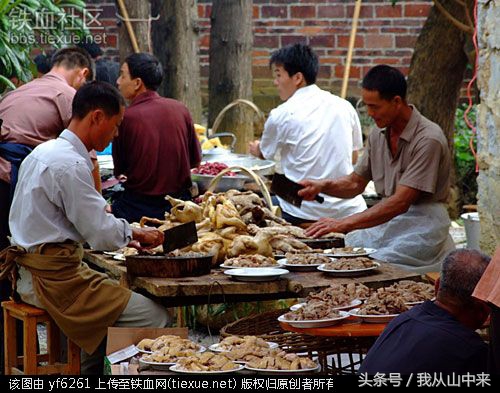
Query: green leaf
x=7, y=82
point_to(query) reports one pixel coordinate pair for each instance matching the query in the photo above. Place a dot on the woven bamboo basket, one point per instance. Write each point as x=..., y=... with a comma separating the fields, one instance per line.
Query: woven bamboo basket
x=239, y=101
x=256, y=178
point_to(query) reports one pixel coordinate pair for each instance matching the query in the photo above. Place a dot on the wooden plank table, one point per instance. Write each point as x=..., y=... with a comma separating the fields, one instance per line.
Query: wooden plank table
x=218, y=287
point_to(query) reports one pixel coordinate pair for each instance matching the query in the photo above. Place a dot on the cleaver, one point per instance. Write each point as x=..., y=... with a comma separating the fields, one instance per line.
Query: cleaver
x=180, y=236
x=287, y=190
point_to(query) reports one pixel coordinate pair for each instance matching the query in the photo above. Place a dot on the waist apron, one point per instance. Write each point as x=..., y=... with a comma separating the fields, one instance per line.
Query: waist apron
x=417, y=240
x=83, y=302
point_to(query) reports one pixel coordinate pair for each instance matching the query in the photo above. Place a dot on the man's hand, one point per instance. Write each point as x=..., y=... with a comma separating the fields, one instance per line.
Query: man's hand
x=146, y=237
x=311, y=189
x=254, y=148
x=326, y=225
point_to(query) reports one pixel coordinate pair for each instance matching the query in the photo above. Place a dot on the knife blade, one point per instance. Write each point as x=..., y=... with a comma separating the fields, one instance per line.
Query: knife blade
x=180, y=236
x=288, y=189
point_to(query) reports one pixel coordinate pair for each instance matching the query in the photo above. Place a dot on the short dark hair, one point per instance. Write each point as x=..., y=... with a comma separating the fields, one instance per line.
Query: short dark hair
x=297, y=58
x=42, y=62
x=91, y=47
x=147, y=67
x=460, y=274
x=97, y=95
x=387, y=80
x=73, y=57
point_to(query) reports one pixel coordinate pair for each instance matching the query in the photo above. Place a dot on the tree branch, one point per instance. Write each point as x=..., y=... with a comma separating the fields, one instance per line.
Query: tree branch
x=462, y=26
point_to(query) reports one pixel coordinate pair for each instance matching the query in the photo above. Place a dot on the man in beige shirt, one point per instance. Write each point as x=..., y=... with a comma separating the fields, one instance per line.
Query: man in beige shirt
x=408, y=159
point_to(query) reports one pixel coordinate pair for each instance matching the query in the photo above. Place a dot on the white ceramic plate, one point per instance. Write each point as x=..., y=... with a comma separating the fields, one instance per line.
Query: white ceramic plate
x=217, y=348
x=239, y=267
x=263, y=370
x=352, y=304
x=119, y=257
x=112, y=253
x=372, y=318
x=316, y=322
x=178, y=370
x=299, y=267
x=256, y=273
x=367, y=252
x=156, y=365
x=352, y=272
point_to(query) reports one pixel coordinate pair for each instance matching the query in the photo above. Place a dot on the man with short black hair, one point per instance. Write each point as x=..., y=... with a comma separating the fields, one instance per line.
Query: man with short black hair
x=316, y=133
x=55, y=210
x=34, y=113
x=157, y=145
x=438, y=336
x=409, y=161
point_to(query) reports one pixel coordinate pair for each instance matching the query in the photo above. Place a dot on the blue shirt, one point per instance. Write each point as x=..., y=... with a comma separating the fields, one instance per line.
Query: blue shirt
x=426, y=339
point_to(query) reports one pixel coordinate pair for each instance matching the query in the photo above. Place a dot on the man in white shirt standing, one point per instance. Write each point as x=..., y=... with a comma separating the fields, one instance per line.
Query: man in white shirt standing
x=316, y=133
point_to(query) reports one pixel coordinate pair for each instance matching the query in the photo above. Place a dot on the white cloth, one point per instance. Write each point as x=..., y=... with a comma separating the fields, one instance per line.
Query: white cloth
x=55, y=200
x=417, y=240
x=315, y=133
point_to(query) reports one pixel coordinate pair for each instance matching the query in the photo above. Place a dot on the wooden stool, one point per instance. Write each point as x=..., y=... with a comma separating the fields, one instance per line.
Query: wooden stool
x=30, y=316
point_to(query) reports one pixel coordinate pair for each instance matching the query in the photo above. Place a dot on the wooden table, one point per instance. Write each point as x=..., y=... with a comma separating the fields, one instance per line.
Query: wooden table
x=218, y=287
x=348, y=338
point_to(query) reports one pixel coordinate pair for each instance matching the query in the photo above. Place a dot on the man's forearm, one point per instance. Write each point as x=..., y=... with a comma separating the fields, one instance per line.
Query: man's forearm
x=344, y=187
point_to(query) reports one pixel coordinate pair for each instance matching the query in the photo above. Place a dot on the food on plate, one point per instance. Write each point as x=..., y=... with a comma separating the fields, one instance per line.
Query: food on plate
x=212, y=168
x=253, y=260
x=306, y=259
x=282, y=244
x=383, y=302
x=207, y=361
x=280, y=360
x=247, y=354
x=244, y=244
x=340, y=294
x=412, y=291
x=237, y=342
x=348, y=250
x=350, y=264
x=312, y=312
x=167, y=348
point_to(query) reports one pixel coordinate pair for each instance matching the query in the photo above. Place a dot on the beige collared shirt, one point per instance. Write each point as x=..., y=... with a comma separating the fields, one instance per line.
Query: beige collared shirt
x=422, y=160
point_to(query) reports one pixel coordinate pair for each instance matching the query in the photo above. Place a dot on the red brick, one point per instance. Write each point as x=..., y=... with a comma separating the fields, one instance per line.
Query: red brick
x=331, y=11
x=417, y=10
x=324, y=71
x=396, y=30
x=260, y=53
x=262, y=72
x=322, y=40
x=343, y=41
x=274, y=12
x=305, y=11
x=287, y=22
x=111, y=40
x=205, y=41
x=405, y=41
x=265, y=41
x=379, y=41
x=385, y=60
x=310, y=30
x=389, y=11
x=316, y=22
x=354, y=72
x=366, y=11
x=292, y=39
x=255, y=12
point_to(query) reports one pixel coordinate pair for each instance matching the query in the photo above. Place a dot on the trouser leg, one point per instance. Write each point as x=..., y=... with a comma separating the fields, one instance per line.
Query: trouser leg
x=140, y=312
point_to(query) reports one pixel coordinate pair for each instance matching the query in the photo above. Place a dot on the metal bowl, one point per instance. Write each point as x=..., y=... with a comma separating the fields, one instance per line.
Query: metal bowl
x=224, y=184
x=261, y=167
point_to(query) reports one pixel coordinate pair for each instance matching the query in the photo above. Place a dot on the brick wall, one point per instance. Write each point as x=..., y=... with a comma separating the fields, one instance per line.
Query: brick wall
x=386, y=34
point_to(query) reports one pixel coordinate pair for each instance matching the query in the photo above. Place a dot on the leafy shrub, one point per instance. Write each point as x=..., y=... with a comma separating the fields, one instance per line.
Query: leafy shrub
x=465, y=164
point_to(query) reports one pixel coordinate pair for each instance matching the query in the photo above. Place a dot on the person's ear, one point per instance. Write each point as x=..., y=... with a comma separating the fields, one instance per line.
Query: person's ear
x=97, y=117
x=85, y=72
x=398, y=101
x=298, y=79
x=138, y=83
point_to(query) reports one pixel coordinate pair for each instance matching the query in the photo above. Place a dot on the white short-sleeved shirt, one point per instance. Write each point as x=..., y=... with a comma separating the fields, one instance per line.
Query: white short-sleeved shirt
x=316, y=133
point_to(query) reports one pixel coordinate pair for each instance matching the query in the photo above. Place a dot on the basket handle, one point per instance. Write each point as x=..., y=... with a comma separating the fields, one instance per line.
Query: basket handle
x=249, y=172
x=218, y=119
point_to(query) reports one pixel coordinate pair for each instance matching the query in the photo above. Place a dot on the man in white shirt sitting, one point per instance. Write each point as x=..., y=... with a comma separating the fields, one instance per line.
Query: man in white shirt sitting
x=315, y=132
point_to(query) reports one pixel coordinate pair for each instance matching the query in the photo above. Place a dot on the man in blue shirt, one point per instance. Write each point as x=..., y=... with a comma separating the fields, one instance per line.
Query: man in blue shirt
x=438, y=336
